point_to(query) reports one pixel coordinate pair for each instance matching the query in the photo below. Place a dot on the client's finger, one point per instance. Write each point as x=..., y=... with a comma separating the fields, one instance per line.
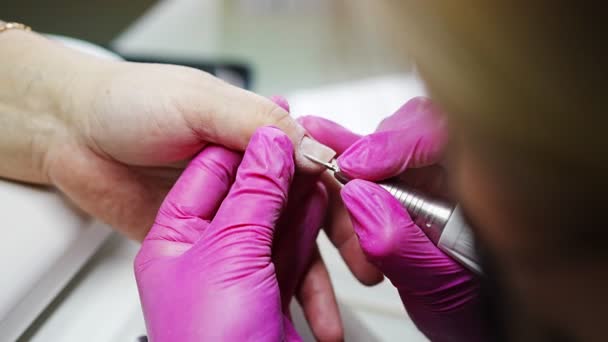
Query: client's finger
x=340, y=232
x=318, y=300
x=337, y=224
x=297, y=259
x=232, y=121
x=328, y=132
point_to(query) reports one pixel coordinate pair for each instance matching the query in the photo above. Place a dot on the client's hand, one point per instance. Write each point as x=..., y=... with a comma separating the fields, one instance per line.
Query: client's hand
x=133, y=127
x=114, y=136
x=221, y=263
x=441, y=296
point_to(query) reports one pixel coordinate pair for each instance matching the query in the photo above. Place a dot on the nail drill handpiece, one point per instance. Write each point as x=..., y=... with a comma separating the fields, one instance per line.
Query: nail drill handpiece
x=440, y=221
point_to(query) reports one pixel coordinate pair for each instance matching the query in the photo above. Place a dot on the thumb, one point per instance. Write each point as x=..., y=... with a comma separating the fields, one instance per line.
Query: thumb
x=330, y=133
x=390, y=239
x=246, y=219
x=232, y=121
x=382, y=155
x=414, y=136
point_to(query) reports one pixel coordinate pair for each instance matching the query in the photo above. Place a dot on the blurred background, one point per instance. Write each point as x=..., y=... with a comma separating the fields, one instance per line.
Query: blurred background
x=342, y=59
x=288, y=44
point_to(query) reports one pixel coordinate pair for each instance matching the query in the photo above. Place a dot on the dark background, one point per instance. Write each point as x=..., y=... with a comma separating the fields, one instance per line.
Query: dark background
x=95, y=21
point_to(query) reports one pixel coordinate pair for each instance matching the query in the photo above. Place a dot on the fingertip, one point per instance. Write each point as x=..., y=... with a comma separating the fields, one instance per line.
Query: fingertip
x=417, y=104
x=308, y=146
x=375, y=157
x=373, y=278
x=358, y=197
x=272, y=138
x=354, y=192
x=267, y=163
x=358, y=264
x=202, y=185
x=303, y=142
x=421, y=105
x=328, y=132
x=280, y=101
x=329, y=332
x=316, y=123
x=376, y=216
x=302, y=120
x=279, y=118
x=310, y=122
x=273, y=134
x=411, y=111
x=369, y=194
x=259, y=192
x=318, y=300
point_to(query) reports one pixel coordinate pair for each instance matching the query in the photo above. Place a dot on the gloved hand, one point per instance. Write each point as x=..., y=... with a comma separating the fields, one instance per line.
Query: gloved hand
x=208, y=269
x=314, y=291
x=441, y=296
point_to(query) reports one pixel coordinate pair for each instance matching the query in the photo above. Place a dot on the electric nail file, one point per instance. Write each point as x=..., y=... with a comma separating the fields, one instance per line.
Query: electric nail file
x=441, y=222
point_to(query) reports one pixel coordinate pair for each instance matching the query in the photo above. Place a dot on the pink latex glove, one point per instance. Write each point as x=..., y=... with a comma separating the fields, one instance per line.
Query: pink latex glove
x=207, y=269
x=313, y=288
x=441, y=296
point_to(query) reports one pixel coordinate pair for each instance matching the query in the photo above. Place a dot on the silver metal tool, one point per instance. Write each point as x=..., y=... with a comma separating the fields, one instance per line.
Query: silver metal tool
x=440, y=221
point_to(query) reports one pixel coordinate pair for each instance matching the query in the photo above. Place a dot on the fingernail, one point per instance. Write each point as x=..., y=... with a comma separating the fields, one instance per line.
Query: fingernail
x=316, y=149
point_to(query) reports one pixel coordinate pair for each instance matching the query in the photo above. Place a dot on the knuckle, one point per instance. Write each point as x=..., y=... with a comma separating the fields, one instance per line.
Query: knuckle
x=281, y=118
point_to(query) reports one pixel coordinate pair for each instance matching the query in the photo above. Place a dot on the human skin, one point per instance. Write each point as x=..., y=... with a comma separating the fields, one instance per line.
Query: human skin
x=543, y=293
x=213, y=265
x=130, y=127
x=337, y=224
x=114, y=136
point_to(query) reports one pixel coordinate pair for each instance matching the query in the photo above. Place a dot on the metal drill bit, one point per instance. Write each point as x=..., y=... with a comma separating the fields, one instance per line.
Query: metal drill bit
x=428, y=214
x=328, y=165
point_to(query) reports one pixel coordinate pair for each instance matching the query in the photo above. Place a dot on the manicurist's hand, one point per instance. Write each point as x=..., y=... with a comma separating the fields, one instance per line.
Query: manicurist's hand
x=440, y=295
x=230, y=245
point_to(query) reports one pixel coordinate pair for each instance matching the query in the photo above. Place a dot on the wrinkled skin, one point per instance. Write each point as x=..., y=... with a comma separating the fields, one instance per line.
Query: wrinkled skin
x=134, y=127
x=114, y=136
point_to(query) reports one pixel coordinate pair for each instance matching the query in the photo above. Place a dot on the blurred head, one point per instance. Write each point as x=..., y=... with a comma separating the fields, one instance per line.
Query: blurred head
x=524, y=84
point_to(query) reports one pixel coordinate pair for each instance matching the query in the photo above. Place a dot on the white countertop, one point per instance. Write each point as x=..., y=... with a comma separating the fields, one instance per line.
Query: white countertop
x=46, y=241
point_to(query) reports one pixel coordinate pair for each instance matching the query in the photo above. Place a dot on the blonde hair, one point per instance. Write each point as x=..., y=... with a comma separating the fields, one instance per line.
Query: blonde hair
x=527, y=76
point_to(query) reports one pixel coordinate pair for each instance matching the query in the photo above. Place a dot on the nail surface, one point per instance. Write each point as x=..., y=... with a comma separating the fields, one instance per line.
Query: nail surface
x=316, y=149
